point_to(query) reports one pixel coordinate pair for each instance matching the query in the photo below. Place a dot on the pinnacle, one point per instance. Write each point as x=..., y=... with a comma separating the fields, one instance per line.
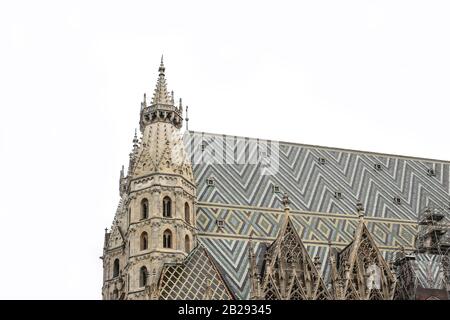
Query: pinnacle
x=161, y=95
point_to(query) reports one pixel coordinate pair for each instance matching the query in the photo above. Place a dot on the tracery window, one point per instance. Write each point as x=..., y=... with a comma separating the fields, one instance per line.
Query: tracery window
x=143, y=274
x=167, y=207
x=116, y=268
x=167, y=239
x=187, y=213
x=144, y=208
x=144, y=241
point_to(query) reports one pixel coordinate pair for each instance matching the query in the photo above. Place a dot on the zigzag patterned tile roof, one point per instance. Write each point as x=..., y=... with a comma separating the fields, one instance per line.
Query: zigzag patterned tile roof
x=243, y=196
x=427, y=270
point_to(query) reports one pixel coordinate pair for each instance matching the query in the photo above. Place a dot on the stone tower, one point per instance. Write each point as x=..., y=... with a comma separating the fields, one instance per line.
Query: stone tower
x=155, y=220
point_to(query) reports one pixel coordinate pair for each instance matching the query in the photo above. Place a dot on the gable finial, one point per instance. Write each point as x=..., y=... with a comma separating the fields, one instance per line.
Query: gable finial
x=330, y=250
x=250, y=248
x=250, y=243
x=286, y=201
x=317, y=263
x=360, y=210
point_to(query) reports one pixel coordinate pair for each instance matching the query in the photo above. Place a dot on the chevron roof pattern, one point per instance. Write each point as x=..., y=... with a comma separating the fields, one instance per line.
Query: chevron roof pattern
x=428, y=271
x=311, y=186
x=323, y=185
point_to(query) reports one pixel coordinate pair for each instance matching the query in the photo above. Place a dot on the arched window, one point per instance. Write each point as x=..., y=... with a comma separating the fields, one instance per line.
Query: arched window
x=144, y=208
x=187, y=213
x=167, y=239
x=374, y=277
x=144, y=241
x=143, y=276
x=116, y=268
x=187, y=244
x=167, y=207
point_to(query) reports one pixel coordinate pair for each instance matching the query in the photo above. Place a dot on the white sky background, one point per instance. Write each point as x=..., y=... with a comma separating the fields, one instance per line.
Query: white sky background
x=369, y=75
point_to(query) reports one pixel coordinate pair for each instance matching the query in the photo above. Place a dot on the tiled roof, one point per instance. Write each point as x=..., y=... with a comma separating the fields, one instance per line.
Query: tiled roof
x=195, y=279
x=247, y=197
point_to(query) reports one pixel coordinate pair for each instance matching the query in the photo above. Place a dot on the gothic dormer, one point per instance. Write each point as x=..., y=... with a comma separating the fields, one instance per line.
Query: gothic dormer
x=162, y=107
x=359, y=271
x=288, y=271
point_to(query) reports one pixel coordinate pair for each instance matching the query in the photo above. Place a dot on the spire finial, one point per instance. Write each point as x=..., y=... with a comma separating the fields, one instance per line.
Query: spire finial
x=161, y=94
x=187, y=117
x=162, y=107
x=162, y=69
x=144, y=102
x=135, y=139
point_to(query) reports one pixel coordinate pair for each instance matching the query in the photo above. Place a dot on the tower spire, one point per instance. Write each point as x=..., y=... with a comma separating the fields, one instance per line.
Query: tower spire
x=162, y=107
x=161, y=94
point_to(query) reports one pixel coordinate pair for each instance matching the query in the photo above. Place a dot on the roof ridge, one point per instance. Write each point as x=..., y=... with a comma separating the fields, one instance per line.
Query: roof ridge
x=330, y=148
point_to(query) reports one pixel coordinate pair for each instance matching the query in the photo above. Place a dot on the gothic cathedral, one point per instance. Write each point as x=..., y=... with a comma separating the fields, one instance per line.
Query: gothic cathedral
x=209, y=216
